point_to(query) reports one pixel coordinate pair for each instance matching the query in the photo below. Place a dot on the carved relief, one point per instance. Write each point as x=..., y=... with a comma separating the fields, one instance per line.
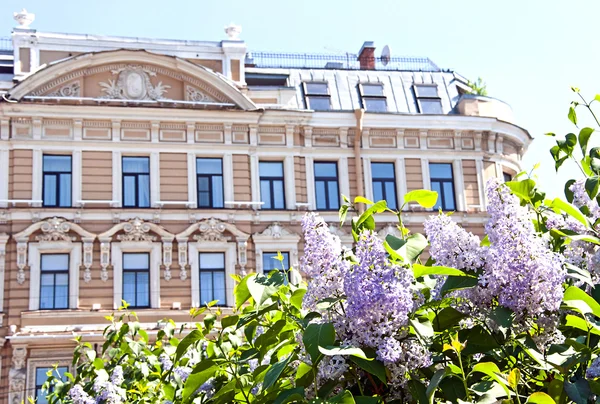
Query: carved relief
x=16, y=386
x=193, y=94
x=183, y=260
x=21, y=261
x=212, y=230
x=133, y=83
x=136, y=230
x=276, y=231
x=104, y=257
x=88, y=258
x=19, y=355
x=55, y=229
x=167, y=257
x=68, y=90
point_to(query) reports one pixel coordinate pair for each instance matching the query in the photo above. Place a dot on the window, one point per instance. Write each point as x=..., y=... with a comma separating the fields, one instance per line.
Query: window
x=40, y=379
x=373, y=98
x=317, y=96
x=271, y=185
x=212, y=278
x=136, y=279
x=326, y=186
x=209, y=175
x=54, y=281
x=384, y=183
x=57, y=181
x=136, y=182
x=442, y=181
x=428, y=99
x=507, y=177
x=271, y=263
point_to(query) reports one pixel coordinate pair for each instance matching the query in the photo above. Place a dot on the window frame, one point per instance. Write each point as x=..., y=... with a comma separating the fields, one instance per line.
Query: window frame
x=364, y=97
x=34, y=363
x=210, y=184
x=136, y=271
x=271, y=179
x=327, y=181
x=38, y=387
x=137, y=184
x=419, y=98
x=308, y=94
x=284, y=253
x=212, y=271
x=55, y=272
x=230, y=250
x=442, y=181
x=383, y=181
x=57, y=175
x=507, y=175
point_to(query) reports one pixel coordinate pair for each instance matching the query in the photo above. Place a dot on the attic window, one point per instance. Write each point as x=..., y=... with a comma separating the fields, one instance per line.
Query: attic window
x=373, y=98
x=428, y=99
x=317, y=96
x=266, y=80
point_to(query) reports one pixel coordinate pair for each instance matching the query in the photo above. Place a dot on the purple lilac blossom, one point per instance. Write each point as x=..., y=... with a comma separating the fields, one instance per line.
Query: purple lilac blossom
x=79, y=396
x=593, y=371
x=165, y=362
x=117, y=376
x=581, y=198
x=108, y=393
x=183, y=372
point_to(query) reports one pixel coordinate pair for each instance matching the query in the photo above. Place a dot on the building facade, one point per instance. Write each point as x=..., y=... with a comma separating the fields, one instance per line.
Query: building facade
x=151, y=170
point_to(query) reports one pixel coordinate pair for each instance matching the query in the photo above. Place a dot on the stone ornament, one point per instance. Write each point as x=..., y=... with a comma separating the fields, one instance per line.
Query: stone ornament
x=193, y=94
x=233, y=32
x=136, y=230
x=68, y=90
x=133, y=83
x=211, y=230
x=55, y=229
x=182, y=256
x=24, y=18
x=275, y=230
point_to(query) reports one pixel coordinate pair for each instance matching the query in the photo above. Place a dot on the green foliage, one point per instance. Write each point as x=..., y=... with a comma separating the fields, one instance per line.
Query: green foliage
x=478, y=87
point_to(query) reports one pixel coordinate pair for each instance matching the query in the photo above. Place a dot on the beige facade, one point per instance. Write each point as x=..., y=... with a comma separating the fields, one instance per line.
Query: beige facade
x=171, y=105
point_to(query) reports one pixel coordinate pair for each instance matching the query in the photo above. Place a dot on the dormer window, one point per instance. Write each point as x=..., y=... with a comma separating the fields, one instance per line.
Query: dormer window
x=317, y=96
x=373, y=98
x=428, y=99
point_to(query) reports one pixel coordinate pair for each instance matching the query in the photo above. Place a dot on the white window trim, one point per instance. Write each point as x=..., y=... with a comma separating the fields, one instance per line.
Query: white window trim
x=35, y=252
x=192, y=180
x=37, y=175
x=457, y=179
x=289, y=182
x=76, y=177
x=194, y=249
x=118, y=249
x=33, y=364
x=117, y=179
x=399, y=178
x=226, y=173
x=342, y=177
x=154, y=178
x=4, y=157
x=279, y=245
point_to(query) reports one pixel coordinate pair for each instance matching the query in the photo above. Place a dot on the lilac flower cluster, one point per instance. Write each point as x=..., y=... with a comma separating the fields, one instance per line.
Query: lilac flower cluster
x=109, y=391
x=165, y=362
x=593, y=371
x=581, y=198
x=322, y=261
x=207, y=388
x=79, y=396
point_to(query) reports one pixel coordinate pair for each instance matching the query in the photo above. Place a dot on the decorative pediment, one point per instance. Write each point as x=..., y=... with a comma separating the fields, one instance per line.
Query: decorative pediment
x=54, y=230
x=276, y=232
x=132, y=75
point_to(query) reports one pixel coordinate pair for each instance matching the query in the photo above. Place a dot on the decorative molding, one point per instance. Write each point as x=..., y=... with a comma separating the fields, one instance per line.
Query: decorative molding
x=182, y=250
x=68, y=90
x=193, y=94
x=275, y=231
x=136, y=230
x=17, y=375
x=133, y=83
x=276, y=238
x=55, y=229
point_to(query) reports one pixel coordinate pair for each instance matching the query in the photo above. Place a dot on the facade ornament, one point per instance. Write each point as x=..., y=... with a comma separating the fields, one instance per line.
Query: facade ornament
x=88, y=258
x=136, y=230
x=168, y=256
x=182, y=249
x=104, y=257
x=211, y=230
x=392, y=229
x=24, y=18
x=233, y=32
x=68, y=90
x=133, y=83
x=3, y=241
x=21, y=260
x=193, y=94
x=275, y=230
x=17, y=375
x=4, y=217
x=55, y=229
x=242, y=250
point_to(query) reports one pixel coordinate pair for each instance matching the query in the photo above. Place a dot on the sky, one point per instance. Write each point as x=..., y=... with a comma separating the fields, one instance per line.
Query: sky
x=529, y=52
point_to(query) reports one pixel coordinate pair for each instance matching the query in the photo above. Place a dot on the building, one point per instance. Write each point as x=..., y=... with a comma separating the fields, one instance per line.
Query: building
x=150, y=170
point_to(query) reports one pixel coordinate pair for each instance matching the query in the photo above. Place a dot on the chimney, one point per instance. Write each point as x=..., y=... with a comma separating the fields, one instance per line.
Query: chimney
x=366, y=56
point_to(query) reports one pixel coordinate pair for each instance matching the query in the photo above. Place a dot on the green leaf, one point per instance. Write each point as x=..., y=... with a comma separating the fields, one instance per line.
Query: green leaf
x=485, y=242
x=421, y=270
x=418, y=391
x=368, y=400
x=290, y=396
x=572, y=115
x=570, y=210
x=568, y=193
x=345, y=397
x=241, y=292
x=514, y=378
x=317, y=335
x=584, y=137
x=274, y=372
x=372, y=366
x=228, y=321
x=423, y=329
x=297, y=297
x=448, y=317
x=188, y=340
x=343, y=213
x=574, y=294
x=423, y=197
x=579, y=391
x=336, y=350
x=478, y=339
x=261, y=287
x=591, y=186
x=304, y=375
x=581, y=324
x=415, y=244
x=540, y=398
x=503, y=317
x=201, y=373
x=522, y=189
x=434, y=383
x=360, y=199
x=457, y=283
x=378, y=207
x=394, y=242
x=491, y=369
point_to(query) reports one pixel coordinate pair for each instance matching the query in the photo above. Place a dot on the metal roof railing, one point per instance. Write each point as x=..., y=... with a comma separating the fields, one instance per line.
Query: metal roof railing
x=348, y=61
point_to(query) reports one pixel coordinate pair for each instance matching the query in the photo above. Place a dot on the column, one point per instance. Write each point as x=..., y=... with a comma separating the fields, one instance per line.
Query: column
x=366, y=144
x=36, y=130
x=191, y=132
x=344, y=178
x=116, y=174
x=289, y=135
x=228, y=177
x=4, y=129
x=423, y=139
x=401, y=180
x=154, y=131
x=36, y=175
x=77, y=129
x=290, y=182
x=77, y=178
x=227, y=132
x=254, y=177
x=192, y=185
x=491, y=142
x=154, y=178
x=400, y=138
x=368, y=179
x=253, y=135
x=457, y=140
x=344, y=138
x=459, y=186
x=425, y=174
x=3, y=241
x=116, y=130
x=310, y=182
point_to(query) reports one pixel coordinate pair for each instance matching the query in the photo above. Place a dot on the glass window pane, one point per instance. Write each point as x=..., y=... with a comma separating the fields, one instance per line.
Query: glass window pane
x=448, y=196
x=265, y=194
x=334, y=196
x=217, y=189
x=326, y=170
x=129, y=191
x=55, y=262
x=65, y=190
x=136, y=165
x=320, y=195
x=136, y=261
x=204, y=200
x=377, y=191
x=390, y=195
x=144, y=191
x=271, y=169
x=209, y=166
x=372, y=89
x=61, y=279
x=47, y=297
x=507, y=177
x=278, y=195
x=426, y=91
x=50, y=190
x=203, y=184
x=435, y=186
x=61, y=298
x=212, y=261
x=316, y=88
x=375, y=104
x=129, y=287
x=440, y=170
x=219, y=287
x=143, y=289
x=57, y=164
x=270, y=261
x=319, y=103
x=206, y=287
x=430, y=106
x=382, y=170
